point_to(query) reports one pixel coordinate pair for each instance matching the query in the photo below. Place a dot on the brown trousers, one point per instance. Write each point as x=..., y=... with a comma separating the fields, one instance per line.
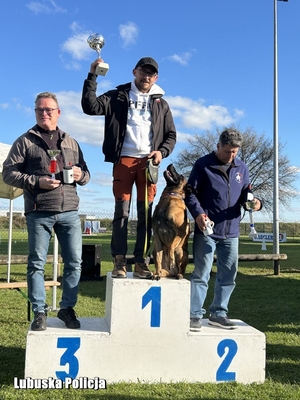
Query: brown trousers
x=128, y=172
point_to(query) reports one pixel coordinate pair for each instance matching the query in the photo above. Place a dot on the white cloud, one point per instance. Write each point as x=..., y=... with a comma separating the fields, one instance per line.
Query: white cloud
x=17, y=103
x=26, y=110
x=77, y=46
x=182, y=59
x=72, y=65
x=183, y=137
x=129, y=33
x=84, y=128
x=189, y=115
x=102, y=179
x=45, y=7
x=193, y=114
x=238, y=113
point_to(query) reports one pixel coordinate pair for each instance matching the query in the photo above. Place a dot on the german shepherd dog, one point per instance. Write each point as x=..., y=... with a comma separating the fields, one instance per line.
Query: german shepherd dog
x=171, y=228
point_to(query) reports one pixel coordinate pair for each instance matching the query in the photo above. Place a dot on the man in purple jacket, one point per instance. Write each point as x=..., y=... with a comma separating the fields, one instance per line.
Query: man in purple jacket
x=221, y=186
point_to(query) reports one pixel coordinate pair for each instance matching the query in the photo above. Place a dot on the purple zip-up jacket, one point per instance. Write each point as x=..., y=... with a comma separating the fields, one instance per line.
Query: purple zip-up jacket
x=218, y=195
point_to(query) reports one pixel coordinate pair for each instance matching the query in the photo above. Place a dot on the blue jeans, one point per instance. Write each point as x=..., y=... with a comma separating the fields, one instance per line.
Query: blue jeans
x=226, y=250
x=67, y=227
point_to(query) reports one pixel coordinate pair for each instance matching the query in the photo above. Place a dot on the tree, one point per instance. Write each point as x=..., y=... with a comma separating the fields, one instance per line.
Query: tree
x=257, y=153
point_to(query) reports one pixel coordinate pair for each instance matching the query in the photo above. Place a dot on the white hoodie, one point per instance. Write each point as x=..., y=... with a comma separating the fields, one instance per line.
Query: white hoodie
x=138, y=138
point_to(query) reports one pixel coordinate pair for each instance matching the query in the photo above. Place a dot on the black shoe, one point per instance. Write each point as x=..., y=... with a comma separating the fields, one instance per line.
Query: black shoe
x=69, y=317
x=39, y=322
x=222, y=322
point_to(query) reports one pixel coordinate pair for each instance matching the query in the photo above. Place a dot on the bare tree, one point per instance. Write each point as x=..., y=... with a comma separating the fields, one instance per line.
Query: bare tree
x=257, y=153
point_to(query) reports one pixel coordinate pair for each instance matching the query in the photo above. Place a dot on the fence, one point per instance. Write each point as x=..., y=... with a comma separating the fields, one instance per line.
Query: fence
x=101, y=226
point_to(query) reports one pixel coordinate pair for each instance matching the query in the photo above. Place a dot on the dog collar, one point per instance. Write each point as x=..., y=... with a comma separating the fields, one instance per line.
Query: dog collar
x=173, y=194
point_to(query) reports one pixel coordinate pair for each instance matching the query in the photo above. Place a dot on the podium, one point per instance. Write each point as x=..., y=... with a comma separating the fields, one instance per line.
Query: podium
x=145, y=337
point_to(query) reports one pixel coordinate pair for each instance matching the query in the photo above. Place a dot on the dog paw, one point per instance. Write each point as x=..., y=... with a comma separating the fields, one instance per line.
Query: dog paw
x=156, y=277
x=179, y=276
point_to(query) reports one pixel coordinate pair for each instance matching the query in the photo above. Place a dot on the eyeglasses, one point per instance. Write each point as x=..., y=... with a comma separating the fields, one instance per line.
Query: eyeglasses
x=49, y=111
x=147, y=73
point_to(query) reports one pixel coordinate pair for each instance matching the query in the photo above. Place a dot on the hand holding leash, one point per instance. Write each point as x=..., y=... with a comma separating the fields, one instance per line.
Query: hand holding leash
x=156, y=157
x=152, y=171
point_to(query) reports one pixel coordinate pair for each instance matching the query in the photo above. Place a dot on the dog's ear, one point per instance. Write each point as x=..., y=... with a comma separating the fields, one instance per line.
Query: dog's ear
x=188, y=189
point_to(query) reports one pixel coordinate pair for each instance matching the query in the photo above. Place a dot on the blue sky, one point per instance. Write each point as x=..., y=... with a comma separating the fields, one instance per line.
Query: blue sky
x=215, y=65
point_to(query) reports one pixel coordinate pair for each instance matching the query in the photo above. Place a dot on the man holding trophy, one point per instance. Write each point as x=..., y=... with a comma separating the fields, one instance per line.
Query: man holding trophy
x=48, y=164
x=139, y=126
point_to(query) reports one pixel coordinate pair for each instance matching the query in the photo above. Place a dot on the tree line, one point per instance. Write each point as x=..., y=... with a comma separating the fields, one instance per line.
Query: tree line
x=257, y=153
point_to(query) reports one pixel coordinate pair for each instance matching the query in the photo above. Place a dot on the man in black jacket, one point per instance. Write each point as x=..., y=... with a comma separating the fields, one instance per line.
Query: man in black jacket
x=50, y=203
x=138, y=126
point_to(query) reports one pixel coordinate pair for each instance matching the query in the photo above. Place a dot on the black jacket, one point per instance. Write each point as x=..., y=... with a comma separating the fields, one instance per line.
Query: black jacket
x=114, y=105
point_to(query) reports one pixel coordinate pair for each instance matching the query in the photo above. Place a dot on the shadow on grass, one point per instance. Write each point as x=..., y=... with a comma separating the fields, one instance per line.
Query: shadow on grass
x=93, y=288
x=10, y=364
x=268, y=301
x=283, y=361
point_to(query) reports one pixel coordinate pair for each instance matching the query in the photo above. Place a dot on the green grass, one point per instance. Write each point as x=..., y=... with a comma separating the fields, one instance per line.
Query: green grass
x=269, y=303
x=19, y=246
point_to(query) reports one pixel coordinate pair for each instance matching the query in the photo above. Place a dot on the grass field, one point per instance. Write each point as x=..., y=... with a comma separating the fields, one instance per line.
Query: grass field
x=269, y=303
x=19, y=245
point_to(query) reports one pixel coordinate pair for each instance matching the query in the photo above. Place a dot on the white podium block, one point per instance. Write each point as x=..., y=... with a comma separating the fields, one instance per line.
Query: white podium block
x=140, y=307
x=145, y=337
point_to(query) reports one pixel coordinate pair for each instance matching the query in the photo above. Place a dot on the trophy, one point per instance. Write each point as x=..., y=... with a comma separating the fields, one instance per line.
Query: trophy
x=96, y=42
x=53, y=162
x=250, y=205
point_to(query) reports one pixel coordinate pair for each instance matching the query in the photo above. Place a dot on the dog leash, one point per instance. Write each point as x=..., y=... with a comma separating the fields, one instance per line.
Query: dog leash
x=151, y=175
x=145, y=253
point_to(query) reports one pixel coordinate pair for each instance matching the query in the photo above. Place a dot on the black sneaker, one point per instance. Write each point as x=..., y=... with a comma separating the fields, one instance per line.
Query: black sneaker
x=195, y=324
x=222, y=322
x=39, y=322
x=69, y=317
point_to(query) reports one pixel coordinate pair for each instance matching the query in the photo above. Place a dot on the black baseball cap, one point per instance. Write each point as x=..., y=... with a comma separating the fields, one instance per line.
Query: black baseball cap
x=147, y=61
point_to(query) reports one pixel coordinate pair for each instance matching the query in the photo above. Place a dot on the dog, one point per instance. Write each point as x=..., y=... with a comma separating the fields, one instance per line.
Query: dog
x=171, y=228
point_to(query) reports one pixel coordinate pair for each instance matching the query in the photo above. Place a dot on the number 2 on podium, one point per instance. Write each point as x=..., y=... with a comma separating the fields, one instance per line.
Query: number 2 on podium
x=222, y=373
x=153, y=296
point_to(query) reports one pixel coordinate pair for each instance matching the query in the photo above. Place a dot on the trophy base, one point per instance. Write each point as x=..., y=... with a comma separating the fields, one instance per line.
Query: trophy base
x=102, y=69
